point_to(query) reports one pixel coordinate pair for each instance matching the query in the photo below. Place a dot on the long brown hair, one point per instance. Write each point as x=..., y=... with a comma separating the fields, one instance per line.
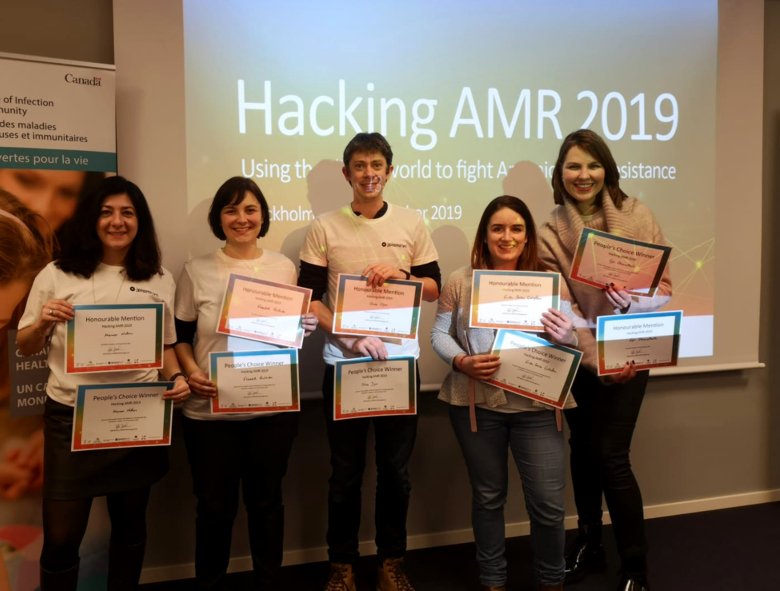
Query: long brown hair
x=480, y=254
x=593, y=144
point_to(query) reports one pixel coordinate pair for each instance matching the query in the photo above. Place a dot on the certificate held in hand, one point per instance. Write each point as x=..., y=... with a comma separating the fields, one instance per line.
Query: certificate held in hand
x=648, y=340
x=602, y=258
x=116, y=337
x=264, y=311
x=109, y=416
x=392, y=310
x=513, y=299
x=533, y=367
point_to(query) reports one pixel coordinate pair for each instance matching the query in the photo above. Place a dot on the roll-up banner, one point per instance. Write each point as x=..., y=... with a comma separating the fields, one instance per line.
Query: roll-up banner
x=57, y=140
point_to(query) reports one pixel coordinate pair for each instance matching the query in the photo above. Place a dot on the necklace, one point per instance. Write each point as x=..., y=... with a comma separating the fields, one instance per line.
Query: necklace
x=118, y=291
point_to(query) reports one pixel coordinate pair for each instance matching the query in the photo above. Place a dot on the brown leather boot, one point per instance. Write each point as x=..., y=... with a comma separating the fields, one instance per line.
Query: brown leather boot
x=493, y=587
x=390, y=576
x=341, y=577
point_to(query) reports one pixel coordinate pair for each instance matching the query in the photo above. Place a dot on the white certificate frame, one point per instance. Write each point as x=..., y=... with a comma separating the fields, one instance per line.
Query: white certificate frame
x=534, y=368
x=649, y=339
x=360, y=310
x=490, y=311
x=643, y=262
x=99, y=331
x=256, y=373
x=115, y=407
x=374, y=384
x=289, y=302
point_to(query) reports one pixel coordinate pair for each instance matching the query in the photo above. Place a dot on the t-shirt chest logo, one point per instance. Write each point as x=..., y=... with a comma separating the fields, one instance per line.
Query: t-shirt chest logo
x=135, y=289
x=393, y=245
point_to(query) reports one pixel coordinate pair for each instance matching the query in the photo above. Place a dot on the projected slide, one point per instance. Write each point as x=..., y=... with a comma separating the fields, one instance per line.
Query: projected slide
x=474, y=97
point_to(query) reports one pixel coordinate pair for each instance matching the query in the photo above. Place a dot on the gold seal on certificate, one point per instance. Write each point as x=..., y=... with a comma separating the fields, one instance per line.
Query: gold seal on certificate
x=392, y=310
x=512, y=299
x=533, y=367
x=649, y=340
x=108, y=416
x=255, y=381
x=264, y=311
x=103, y=337
x=367, y=388
x=603, y=258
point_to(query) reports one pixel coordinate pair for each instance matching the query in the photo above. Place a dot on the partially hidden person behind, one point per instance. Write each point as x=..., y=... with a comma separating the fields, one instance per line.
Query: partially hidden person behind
x=380, y=241
x=489, y=421
x=25, y=248
x=239, y=451
x=110, y=256
x=53, y=194
x=587, y=193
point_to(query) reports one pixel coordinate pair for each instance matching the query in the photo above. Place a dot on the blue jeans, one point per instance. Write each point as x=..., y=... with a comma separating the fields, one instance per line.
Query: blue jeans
x=394, y=441
x=538, y=451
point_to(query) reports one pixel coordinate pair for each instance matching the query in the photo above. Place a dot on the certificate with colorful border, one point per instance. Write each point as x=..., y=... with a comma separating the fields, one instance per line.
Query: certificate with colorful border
x=109, y=416
x=114, y=337
x=255, y=381
x=367, y=388
x=603, y=258
x=392, y=310
x=513, y=299
x=649, y=340
x=264, y=311
x=533, y=367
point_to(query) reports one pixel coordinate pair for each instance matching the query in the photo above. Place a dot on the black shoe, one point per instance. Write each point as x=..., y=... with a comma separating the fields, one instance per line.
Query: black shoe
x=631, y=584
x=584, y=556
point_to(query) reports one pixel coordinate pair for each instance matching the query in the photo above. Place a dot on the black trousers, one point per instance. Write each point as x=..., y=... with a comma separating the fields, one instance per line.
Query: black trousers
x=394, y=441
x=225, y=455
x=602, y=427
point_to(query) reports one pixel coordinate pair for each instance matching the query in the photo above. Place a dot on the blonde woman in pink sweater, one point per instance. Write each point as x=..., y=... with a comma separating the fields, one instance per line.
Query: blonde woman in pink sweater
x=587, y=193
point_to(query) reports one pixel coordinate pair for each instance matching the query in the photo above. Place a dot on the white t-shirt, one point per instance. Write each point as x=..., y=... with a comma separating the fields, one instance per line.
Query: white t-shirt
x=199, y=294
x=108, y=285
x=347, y=243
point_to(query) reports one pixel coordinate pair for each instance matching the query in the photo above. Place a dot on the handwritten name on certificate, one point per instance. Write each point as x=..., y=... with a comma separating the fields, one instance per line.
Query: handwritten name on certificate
x=603, y=258
x=367, y=388
x=533, y=367
x=108, y=416
x=512, y=299
x=392, y=310
x=255, y=381
x=114, y=338
x=264, y=311
x=649, y=340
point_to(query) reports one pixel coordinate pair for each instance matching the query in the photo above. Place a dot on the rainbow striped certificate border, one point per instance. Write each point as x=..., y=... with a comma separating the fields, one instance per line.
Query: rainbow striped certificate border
x=392, y=310
x=114, y=337
x=109, y=416
x=264, y=311
x=533, y=367
x=649, y=339
x=255, y=381
x=602, y=258
x=513, y=299
x=364, y=387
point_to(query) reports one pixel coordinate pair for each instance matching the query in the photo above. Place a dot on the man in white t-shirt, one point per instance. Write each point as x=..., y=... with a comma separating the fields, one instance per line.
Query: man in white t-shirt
x=373, y=238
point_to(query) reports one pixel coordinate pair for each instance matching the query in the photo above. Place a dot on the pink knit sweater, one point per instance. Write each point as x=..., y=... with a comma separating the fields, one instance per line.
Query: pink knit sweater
x=558, y=239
